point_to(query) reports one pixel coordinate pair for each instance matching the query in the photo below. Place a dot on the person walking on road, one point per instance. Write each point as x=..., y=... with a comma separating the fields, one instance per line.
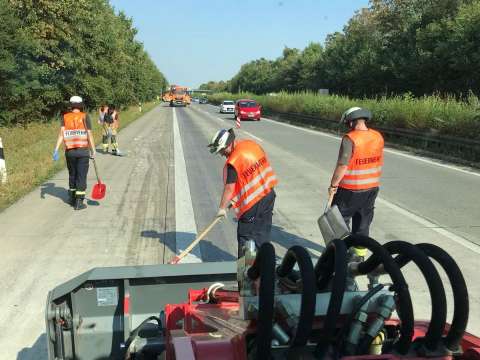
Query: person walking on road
x=101, y=114
x=76, y=135
x=249, y=183
x=356, y=179
x=110, y=126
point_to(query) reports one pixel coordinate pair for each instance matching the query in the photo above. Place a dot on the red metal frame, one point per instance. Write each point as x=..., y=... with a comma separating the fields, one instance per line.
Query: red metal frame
x=189, y=337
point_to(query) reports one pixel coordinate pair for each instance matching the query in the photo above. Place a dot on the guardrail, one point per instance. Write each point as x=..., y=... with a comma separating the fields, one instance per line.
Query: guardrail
x=466, y=151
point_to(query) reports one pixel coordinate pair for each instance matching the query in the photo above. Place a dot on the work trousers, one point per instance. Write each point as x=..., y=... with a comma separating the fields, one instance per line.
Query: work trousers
x=109, y=133
x=357, y=206
x=256, y=223
x=77, y=164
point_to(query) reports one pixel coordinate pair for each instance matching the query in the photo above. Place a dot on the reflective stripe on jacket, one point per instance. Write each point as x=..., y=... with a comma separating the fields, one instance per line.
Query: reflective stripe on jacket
x=255, y=176
x=74, y=132
x=365, y=167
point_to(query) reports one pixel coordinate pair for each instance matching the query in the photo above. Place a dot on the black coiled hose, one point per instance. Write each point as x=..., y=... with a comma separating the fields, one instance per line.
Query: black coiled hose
x=264, y=268
x=409, y=252
x=298, y=254
x=405, y=309
x=333, y=261
x=459, y=289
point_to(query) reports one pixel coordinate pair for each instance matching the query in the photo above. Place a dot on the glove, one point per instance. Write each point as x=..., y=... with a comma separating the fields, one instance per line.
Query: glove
x=222, y=213
x=55, y=156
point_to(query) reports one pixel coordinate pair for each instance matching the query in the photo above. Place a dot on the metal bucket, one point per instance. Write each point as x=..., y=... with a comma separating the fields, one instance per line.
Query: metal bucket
x=331, y=224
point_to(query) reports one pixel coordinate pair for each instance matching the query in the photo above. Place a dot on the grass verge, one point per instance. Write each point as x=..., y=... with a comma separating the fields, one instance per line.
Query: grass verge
x=444, y=116
x=28, y=153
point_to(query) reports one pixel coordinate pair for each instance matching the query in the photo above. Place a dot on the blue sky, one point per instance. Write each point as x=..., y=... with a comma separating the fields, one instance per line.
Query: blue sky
x=193, y=42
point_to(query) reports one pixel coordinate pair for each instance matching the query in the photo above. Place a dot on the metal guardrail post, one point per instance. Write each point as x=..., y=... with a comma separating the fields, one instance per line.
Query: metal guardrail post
x=3, y=167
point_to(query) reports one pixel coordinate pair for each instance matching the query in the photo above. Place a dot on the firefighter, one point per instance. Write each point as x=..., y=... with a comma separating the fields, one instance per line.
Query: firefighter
x=101, y=114
x=110, y=126
x=76, y=135
x=356, y=179
x=249, y=183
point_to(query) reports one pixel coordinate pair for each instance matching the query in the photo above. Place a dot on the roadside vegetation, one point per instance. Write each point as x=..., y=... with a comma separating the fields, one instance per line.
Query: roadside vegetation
x=49, y=51
x=413, y=64
x=446, y=116
x=53, y=49
x=28, y=152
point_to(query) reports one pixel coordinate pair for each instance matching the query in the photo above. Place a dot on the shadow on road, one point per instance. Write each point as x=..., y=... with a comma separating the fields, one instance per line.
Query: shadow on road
x=52, y=190
x=209, y=251
x=287, y=240
x=38, y=351
x=91, y=202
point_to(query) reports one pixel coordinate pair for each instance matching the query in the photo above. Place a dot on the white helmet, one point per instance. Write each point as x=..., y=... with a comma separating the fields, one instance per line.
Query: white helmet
x=355, y=113
x=221, y=140
x=76, y=100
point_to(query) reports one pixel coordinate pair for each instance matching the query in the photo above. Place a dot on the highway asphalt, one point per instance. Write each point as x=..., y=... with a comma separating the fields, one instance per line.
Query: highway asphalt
x=161, y=194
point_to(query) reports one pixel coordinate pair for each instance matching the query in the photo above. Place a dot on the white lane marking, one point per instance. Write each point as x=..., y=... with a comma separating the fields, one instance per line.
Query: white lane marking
x=432, y=226
x=458, y=239
x=315, y=132
x=431, y=162
x=395, y=152
x=225, y=120
x=253, y=136
x=185, y=227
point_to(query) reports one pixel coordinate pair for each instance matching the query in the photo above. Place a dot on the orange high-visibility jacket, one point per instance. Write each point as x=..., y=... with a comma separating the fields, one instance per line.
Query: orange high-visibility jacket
x=255, y=176
x=75, y=133
x=365, y=167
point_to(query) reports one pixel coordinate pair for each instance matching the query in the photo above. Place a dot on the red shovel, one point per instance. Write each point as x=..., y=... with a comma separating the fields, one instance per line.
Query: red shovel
x=99, y=189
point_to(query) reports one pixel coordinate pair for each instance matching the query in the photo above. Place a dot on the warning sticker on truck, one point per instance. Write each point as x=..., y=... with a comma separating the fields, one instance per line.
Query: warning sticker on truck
x=107, y=296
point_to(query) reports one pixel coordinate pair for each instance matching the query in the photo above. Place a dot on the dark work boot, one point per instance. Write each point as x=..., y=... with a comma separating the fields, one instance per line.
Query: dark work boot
x=71, y=197
x=79, y=205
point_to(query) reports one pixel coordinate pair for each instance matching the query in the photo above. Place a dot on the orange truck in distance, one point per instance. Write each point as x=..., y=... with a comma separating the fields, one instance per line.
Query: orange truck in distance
x=177, y=96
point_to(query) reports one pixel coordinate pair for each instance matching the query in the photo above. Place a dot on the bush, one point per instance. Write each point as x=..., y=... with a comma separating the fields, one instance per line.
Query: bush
x=448, y=116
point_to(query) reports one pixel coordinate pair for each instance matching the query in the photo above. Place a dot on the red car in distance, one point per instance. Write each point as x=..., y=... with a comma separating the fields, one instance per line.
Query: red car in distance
x=248, y=110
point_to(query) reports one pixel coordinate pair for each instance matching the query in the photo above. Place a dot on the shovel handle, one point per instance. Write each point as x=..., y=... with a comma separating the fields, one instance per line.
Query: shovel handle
x=96, y=170
x=93, y=159
x=196, y=241
x=329, y=202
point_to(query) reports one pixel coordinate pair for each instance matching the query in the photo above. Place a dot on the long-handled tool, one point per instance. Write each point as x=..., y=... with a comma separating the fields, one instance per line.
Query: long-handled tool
x=196, y=241
x=331, y=223
x=99, y=189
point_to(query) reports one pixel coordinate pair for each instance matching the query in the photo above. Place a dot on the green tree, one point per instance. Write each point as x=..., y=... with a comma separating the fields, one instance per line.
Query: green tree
x=56, y=48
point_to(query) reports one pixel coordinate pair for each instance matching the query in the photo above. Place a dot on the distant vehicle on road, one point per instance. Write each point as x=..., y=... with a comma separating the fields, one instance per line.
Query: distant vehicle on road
x=195, y=100
x=247, y=109
x=203, y=101
x=227, y=107
x=178, y=96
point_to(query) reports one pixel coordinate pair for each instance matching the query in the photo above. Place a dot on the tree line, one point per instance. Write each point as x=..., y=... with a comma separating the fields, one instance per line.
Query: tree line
x=392, y=47
x=51, y=49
